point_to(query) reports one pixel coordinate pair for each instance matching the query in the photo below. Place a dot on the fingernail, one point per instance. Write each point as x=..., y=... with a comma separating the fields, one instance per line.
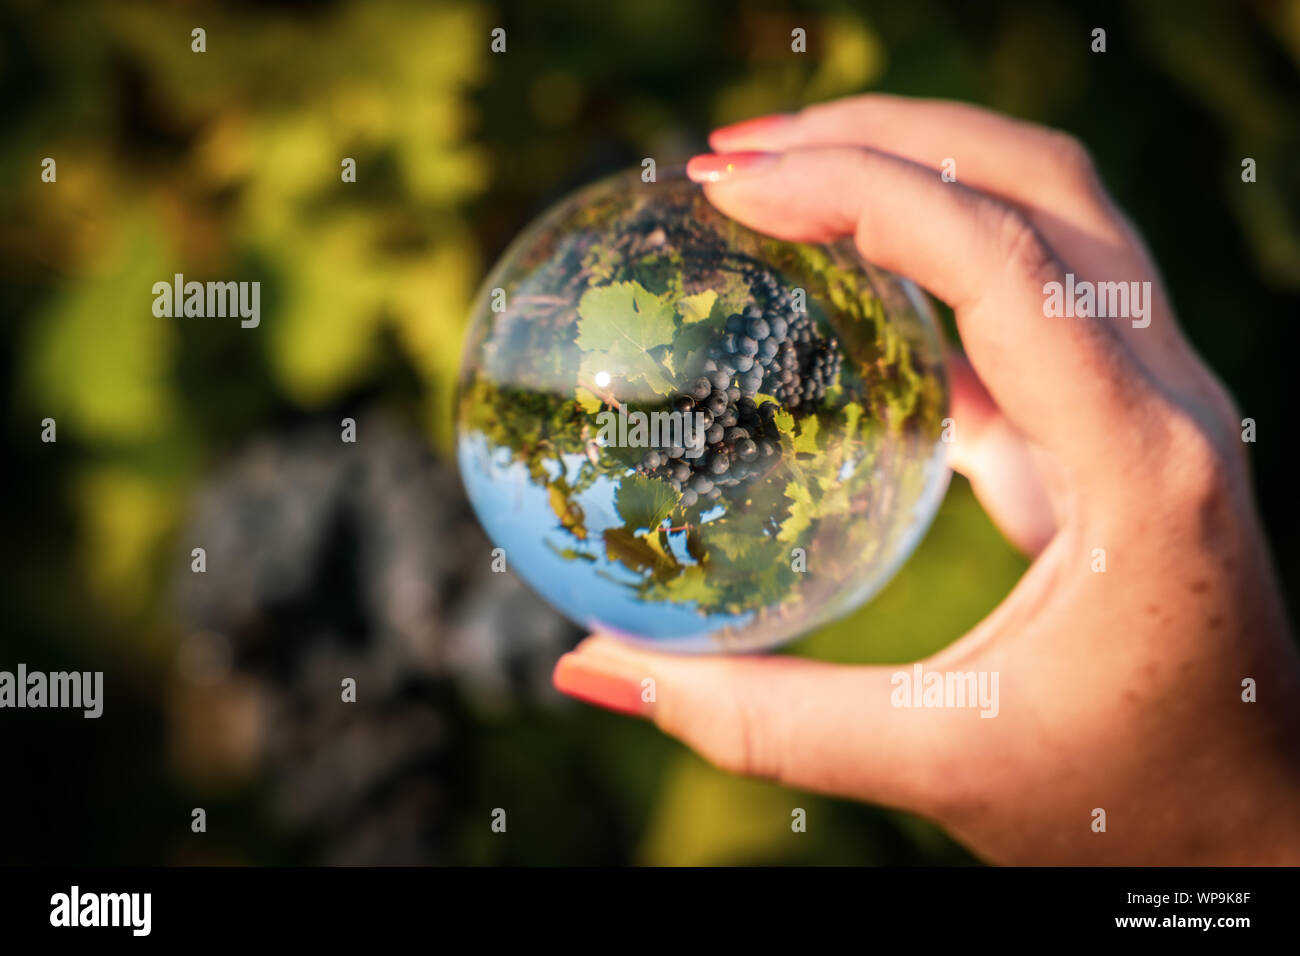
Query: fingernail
x=758, y=126
x=719, y=167
x=600, y=682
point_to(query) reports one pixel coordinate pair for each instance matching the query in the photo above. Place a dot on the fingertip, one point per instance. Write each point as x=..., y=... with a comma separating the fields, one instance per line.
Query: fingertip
x=725, y=167
x=747, y=134
x=596, y=679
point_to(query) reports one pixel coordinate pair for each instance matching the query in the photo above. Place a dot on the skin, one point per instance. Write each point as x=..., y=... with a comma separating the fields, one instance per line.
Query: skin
x=1119, y=690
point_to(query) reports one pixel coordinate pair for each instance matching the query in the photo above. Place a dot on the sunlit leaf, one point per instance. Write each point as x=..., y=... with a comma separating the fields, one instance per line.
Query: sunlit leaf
x=644, y=502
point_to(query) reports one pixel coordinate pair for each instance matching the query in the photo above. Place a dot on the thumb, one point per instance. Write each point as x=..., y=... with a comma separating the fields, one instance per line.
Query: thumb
x=807, y=724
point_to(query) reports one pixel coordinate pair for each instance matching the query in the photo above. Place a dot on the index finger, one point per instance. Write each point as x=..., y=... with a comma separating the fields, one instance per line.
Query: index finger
x=1069, y=384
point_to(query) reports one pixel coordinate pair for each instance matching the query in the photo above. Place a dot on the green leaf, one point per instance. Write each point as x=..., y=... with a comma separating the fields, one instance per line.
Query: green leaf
x=618, y=326
x=696, y=308
x=589, y=402
x=852, y=416
x=569, y=512
x=695, y=545
x=734, y=545
x=644, y=502
x=802, y=512
x=784, y=423
x=692, y=339
x=634, y=551
x=691, y=585
x=806, y=441
x=657, y=540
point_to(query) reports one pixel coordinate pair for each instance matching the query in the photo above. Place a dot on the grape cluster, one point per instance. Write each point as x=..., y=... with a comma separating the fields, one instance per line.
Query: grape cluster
x=803, y=364
x=740, y=442
x=769, y=348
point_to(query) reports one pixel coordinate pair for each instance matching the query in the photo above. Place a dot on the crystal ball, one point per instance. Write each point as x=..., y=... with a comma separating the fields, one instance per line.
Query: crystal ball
x=692, y=436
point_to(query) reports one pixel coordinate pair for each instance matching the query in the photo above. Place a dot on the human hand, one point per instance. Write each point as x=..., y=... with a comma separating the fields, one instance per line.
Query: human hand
x=1119, y=690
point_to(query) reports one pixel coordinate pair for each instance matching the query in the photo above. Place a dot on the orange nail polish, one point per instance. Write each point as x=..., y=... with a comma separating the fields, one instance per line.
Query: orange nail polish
x=717, y=167
x=599, y=682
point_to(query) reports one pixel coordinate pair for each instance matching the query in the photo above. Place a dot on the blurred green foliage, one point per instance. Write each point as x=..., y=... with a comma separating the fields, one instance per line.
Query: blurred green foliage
x=227, y=163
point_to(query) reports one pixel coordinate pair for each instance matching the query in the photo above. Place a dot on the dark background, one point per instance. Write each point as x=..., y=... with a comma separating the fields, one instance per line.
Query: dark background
x=324, y=558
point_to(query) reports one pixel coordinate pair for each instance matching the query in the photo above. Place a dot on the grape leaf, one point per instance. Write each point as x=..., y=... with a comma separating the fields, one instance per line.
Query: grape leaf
x=784, y=422
x=772, y=584
x=806, y=441
x=618, y=326
x=692, y=339
x=734, y=545
x=644, y=502
x=696, y=308
x=569, y=512
x=655, y=539
x=695, y=545
x=634, y=551
x=835, y=500
x=691, y=585
x=763, y=554
x=589, y=402
x=852, y=415
x=733, y=291
x=802, y=512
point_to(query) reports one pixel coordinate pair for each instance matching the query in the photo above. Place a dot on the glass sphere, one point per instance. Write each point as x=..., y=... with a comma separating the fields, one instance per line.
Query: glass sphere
x=692, y=436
